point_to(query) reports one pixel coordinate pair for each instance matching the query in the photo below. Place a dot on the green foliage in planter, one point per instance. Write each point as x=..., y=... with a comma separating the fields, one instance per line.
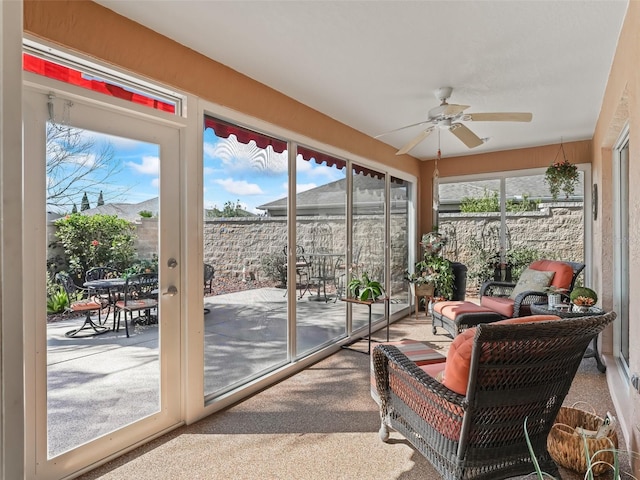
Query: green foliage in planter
x=96, y=240
x=442, y=273
x=145, y=214
x=363, y=288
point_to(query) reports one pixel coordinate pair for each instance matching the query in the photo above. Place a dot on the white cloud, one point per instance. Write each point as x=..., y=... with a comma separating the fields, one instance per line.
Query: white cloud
x=149, y=166
x=239, y=187
x=155, y=183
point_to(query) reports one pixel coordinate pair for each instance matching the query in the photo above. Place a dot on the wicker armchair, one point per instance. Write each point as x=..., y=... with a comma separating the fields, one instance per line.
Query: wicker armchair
x=516, y=371
x=495, y=295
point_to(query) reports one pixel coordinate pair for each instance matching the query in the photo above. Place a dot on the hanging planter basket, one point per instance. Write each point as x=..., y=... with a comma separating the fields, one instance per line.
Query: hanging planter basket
x=562, y=176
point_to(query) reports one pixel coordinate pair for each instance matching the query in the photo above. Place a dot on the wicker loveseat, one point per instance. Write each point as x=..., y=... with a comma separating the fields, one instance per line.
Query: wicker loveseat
x=515, y=369
x=501, y=298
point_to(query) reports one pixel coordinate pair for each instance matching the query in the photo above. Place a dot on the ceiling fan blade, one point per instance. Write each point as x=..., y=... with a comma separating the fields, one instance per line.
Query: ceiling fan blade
x=420, y=137
x=501, y=117
x=402, y=128
x=447, y=110
x=465, y=135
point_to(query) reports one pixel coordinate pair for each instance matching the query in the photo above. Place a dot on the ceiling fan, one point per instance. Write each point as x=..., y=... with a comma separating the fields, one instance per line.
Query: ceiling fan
x=448, y=116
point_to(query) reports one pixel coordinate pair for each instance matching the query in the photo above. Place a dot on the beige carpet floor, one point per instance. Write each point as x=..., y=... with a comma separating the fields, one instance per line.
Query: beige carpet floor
x=318, y=424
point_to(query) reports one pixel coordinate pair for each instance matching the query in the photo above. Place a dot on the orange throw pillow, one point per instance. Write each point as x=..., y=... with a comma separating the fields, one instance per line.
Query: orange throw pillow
x=456, y=370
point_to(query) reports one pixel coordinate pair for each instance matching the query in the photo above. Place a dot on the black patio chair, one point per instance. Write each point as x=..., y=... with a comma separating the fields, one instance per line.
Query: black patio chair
x=140, y=294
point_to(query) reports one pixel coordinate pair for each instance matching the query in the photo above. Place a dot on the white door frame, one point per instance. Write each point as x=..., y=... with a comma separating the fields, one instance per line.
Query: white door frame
x=92, y=112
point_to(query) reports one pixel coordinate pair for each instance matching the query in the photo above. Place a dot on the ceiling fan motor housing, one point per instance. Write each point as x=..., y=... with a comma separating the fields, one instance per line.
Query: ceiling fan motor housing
x=443, y=93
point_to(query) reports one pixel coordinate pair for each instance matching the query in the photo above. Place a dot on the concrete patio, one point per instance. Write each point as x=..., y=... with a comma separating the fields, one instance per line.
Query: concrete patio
x=99, y=383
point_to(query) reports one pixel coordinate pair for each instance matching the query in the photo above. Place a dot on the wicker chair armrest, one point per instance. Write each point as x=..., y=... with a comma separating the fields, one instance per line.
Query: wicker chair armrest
x=492, y=288
x=438, y=406
x=528, y=297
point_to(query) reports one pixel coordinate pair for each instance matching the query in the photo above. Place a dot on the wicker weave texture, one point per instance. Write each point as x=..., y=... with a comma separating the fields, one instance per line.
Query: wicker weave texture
x=518, y=371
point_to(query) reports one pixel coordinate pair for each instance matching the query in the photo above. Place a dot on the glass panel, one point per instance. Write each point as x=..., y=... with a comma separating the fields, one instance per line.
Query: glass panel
x=540, y=227
x=245, y=232
x=399, y=237
x=102, y=201
x=368, y=235
x=321, y=243
x=469, y=217
x=535, y=226
x=623, y=246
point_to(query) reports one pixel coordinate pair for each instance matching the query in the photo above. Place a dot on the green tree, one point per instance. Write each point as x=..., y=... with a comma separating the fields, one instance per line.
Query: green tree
x=85, y=203
x=100, y=199
x=96, y=240
x=74, y=209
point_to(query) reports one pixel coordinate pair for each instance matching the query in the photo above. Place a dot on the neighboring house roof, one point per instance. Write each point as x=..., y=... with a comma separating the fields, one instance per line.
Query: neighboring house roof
x=126, y=211
x=330, y=198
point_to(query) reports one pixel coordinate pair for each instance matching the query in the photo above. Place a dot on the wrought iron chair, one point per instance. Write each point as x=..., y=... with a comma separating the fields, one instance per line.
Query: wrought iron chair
x=140, y=294
x=102, y=295
x=515, y=371
x=209, y=273
x=79, y=302
x=302, y=271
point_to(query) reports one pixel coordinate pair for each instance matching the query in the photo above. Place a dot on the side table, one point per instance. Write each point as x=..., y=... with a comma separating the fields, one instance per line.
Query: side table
x=543, y=309
x=368, y=303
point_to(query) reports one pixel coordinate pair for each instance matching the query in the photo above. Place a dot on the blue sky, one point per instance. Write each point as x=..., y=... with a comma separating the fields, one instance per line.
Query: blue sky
x=235, y=171
x=232, y=172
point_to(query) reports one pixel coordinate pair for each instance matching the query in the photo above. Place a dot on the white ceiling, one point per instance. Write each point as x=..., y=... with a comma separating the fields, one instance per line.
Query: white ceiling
x=374, y=65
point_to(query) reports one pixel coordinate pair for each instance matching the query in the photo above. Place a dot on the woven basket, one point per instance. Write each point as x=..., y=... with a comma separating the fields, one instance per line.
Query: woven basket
x=567, y=447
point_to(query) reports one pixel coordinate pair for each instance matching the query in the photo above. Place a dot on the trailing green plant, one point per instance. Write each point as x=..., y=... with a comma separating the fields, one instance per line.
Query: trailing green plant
x=562, y=176
x=95, y=240
x=363, y=288
x=145, y=214
x=442, y=273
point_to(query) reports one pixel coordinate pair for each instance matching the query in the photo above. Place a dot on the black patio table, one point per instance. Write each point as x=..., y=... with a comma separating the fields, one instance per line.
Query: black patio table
x=109, y=285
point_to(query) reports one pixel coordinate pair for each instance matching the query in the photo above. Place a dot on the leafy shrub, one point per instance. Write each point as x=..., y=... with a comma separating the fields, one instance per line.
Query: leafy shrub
x=274, y=267
x=142, y=266
x=95, y=240
x=145, y=213
x=57, y=300
x=490, y=202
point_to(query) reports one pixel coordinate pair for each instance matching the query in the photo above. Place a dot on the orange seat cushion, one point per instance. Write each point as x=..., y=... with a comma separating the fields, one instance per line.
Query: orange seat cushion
x=85, y=305
x=451, y=309
x=502, y=305
x=456, y=370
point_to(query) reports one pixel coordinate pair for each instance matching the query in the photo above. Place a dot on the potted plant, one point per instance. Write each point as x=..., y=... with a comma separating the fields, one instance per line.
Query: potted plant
x=582, y=299
x=554, y=295
x=562, y=176
x=433, y=275
x=422, y=281
x=365, y=289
